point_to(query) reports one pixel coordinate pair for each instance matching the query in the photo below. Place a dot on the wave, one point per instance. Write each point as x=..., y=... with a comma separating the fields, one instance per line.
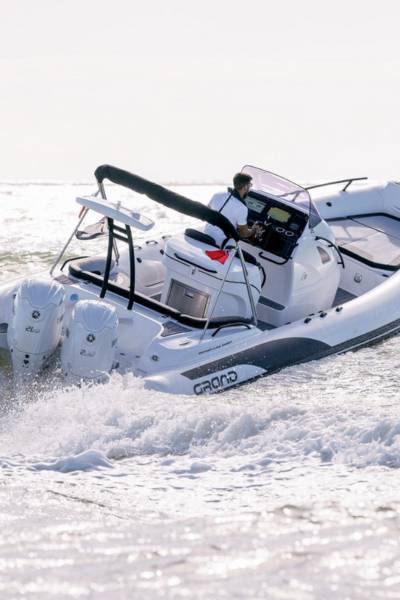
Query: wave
x=295, y=415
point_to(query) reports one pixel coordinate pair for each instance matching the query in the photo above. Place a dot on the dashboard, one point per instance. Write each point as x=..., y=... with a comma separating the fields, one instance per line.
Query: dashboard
x=281, y=225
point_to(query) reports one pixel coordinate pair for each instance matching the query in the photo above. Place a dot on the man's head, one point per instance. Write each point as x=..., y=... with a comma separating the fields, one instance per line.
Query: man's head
x=242, y=183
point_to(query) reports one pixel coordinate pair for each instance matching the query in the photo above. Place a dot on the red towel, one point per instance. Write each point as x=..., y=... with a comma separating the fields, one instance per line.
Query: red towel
x=219, y=255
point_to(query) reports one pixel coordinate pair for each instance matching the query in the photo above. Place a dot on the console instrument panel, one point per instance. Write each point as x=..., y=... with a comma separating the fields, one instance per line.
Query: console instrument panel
x=281, y=225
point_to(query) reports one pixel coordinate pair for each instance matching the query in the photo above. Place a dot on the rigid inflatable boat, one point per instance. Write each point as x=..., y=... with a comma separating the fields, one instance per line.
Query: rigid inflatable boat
x=319, y=278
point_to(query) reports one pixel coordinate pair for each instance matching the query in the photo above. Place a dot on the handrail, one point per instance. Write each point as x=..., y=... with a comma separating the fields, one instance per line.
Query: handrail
x=71, y=259
x=348, y=182
x=332, y=245
x=234, y=324
x=193, y=264
x=59, y=257
x=275, y=262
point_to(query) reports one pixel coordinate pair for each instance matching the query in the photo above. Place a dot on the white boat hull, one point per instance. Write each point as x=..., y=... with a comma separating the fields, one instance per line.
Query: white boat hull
x=173, y=353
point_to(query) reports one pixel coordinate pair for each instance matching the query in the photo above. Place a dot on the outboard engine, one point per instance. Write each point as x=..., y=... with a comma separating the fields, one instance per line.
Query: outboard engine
x=35, y=328
x=89, y=346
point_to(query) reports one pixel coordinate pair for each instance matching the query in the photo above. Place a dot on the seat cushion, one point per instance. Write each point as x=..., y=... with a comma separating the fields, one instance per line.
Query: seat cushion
x=201, y=237
x=374, y=239
x=207, y=239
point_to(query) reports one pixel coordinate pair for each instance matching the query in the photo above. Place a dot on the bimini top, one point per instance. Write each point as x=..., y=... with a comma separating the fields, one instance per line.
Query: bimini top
x=283, y=189
x=166, y=197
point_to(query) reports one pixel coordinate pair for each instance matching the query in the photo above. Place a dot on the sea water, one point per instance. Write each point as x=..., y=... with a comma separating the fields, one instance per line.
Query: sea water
x=286, y=488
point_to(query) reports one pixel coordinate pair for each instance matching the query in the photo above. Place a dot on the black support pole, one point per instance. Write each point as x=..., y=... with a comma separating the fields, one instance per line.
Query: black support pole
x=132, y=268
x=107, y=270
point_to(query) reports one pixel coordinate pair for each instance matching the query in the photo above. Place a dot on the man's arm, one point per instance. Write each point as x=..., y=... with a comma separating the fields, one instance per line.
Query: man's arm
x=243, y=229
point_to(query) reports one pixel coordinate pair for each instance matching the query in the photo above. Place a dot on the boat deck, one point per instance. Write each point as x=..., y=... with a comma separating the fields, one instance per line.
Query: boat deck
x=373, y=239
x=343, y=296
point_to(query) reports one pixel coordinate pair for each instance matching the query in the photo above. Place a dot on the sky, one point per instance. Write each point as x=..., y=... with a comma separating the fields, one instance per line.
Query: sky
x=185, y=90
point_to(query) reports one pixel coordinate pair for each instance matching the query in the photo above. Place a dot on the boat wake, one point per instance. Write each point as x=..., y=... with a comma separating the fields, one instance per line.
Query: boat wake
x=295, y=415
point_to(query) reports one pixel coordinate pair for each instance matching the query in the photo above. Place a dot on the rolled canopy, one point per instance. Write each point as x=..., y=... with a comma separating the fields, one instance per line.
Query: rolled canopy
x=162, y=195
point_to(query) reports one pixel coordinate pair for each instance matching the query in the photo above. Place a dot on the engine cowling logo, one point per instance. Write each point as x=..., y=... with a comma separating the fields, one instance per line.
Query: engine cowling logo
x=87, y=353
x=207, y=386
x=90, y=338
x=35, y=315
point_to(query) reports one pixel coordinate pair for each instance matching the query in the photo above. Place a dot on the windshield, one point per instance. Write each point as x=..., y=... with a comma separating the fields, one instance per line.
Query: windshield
x=280, y=187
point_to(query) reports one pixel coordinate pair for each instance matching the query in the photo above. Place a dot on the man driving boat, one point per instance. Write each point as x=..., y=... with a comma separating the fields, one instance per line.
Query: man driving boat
x=232, y=205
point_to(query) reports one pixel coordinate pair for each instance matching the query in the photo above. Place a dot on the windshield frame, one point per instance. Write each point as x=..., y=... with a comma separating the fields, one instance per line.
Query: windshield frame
x=264, y=181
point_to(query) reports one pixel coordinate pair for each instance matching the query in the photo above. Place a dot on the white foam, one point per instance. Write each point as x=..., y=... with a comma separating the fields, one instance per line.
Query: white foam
x=85, y=461
x=257, y=423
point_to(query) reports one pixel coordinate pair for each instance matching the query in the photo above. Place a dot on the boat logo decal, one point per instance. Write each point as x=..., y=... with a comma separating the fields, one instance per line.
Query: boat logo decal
x=85, y=352
x=35, y=315
x=90, y=338
x=31, y=329
x=215, y=383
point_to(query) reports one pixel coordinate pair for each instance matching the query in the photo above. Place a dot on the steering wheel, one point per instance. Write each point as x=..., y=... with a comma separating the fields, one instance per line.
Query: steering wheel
x=260, y=229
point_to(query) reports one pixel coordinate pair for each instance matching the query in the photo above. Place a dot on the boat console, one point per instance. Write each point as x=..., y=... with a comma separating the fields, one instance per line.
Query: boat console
x=302, y=273
x=281, y=224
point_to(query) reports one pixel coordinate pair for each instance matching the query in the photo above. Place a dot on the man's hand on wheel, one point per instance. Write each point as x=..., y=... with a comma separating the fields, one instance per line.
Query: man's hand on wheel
x=257, y=231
